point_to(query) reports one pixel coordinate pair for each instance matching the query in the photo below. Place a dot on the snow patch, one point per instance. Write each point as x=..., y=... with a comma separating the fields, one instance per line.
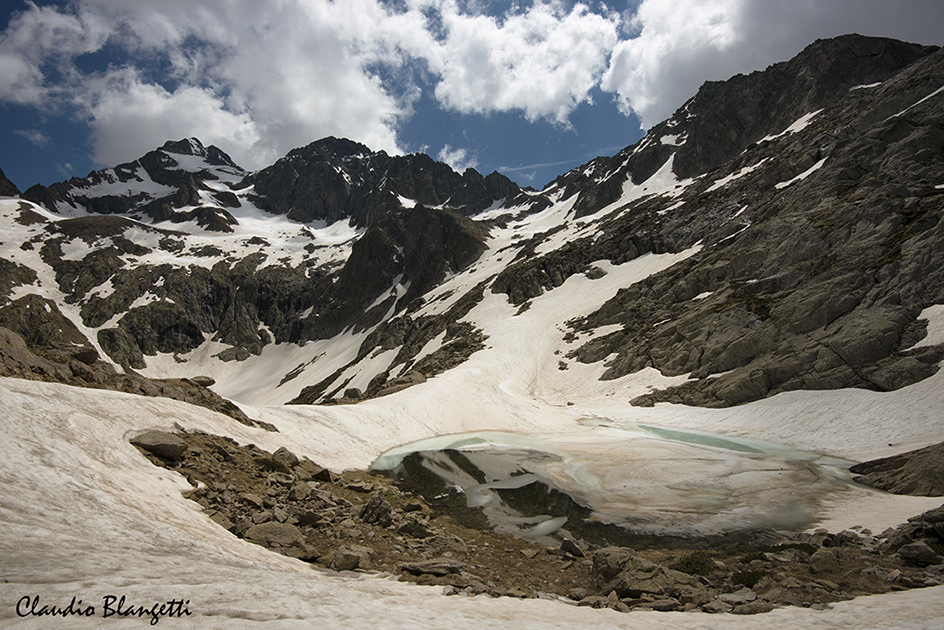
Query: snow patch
x=934, y=315
x=137, y=536
x=673, y=140
x=928, y=97
x=733, y=176
x=802, y=175
x=798, y=125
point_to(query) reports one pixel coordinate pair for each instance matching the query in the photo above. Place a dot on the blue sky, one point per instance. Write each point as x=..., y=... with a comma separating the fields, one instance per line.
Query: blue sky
x=530, y=88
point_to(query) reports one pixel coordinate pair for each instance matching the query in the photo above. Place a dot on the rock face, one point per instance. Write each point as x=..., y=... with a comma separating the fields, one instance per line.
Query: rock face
x=726, y=117
x=919, y=472
x=800, y=283
x=334, y=179
x=7, y=188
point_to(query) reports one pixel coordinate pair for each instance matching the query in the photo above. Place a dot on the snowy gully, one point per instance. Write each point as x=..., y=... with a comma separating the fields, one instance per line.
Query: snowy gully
x=112, y=606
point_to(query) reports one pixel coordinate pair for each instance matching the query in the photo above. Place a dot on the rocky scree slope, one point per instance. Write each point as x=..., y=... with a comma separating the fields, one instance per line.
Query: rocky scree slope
x=355, y=521
x=810, y=193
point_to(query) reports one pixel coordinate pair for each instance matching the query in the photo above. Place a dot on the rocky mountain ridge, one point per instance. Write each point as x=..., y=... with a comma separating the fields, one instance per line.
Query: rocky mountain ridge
x=803, y=202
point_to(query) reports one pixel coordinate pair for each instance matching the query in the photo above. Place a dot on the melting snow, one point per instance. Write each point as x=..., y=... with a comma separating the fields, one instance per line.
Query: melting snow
x=673, y=140
x=935, y=318
x=737, y=174
x=798, y=125
x=802, y=175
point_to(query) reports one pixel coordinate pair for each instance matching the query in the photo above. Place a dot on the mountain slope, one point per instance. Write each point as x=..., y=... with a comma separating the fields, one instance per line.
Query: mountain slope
x=734, y=277
x=798, y=210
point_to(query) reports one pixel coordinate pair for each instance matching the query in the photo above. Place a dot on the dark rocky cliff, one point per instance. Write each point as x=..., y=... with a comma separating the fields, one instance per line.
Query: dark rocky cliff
x=334, y=179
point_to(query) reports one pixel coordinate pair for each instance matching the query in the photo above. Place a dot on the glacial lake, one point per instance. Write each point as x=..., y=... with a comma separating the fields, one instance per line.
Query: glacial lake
x=613, y=483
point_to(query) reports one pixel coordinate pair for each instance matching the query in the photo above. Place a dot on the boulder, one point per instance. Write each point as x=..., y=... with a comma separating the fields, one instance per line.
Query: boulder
x=919, y=553
x=350, y=558
x=164, y=445
x=618, y=569
x=569, y=546
x=377, y=511
x=285, y=457
x=280, y=537
x=743, y=596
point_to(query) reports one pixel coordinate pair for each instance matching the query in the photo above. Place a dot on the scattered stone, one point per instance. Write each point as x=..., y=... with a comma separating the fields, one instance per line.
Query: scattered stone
x=593, y=601
x=743, y=596
x=285, y=457
x=569, y=546
x=280, y=536
x=577, y=594
x=347, y=558
x=282, y=479
x=252, y=500
x=619, y=569
x=717, y=606
x=299, y=492
x=221, y=519
x=445, y=545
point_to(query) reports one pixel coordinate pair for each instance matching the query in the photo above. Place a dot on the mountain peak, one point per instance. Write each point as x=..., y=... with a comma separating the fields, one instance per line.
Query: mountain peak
x=187, y=146
x=213, y=155
x=336, y=178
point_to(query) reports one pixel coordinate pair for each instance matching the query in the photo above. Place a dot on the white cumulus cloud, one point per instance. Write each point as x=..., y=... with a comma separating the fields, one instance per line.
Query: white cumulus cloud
x=543, y=61
x=459, y=159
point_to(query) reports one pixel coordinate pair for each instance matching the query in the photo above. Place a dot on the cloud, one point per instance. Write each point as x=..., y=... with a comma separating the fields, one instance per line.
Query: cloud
x=675, y=46
x=543, y=61
x=259, y=79
x=128, y=112
x=37, y=49
x=459, y=159
x=34, y=136
x=267, y=77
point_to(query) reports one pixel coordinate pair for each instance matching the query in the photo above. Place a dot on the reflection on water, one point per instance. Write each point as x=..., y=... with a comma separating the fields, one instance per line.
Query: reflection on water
x=616, y=483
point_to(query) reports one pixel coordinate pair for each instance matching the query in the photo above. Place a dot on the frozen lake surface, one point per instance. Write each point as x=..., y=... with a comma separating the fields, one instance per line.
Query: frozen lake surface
x=645, y=479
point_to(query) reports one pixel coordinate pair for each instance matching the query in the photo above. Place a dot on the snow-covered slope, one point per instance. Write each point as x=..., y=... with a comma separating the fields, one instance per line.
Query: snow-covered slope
x=85, y=515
